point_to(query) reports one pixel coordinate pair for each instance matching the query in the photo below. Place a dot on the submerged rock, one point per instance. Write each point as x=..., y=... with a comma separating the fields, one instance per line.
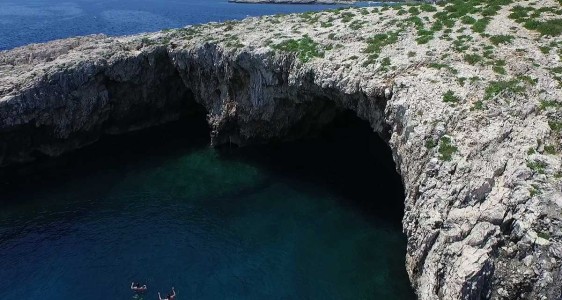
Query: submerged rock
x=468, y=101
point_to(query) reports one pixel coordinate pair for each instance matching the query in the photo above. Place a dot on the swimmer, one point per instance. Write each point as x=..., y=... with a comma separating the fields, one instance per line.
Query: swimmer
x=171, y=296
x=138, y=288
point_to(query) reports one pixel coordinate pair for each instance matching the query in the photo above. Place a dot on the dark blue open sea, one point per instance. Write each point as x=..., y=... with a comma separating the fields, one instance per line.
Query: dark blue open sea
x=31, y=21
x=314, y=219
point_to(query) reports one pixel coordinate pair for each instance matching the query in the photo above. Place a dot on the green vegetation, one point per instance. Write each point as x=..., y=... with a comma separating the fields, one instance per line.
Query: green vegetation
x=347, y=17
x=537, y=166
x=543, y=235
x=499, y=69
x=480, y=25
x=430, y=143
x=472, y=58
x=357, y=24
x=414, y=10
x=439, y=66
x=555, y=125
x=148, y=42
x=449, y=97
x=549, y=27
x=305, y=48
x=546, y=104
x=550, y=149
x=501, y=39
x=535, y=190
x=479, y=105
x=385, y=63
x=497, y=87
x=377, y=42
x=468, y=20
x=446, y=149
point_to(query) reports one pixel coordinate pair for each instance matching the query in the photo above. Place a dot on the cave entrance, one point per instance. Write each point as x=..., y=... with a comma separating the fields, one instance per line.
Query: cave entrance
x=347, y=157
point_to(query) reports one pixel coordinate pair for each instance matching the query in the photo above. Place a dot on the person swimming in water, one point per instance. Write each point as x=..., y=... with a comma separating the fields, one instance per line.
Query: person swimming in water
x=138, y=288
x=171, y=296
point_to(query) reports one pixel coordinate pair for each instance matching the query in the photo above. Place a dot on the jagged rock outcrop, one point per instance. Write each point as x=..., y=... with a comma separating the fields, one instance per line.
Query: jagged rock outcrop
x=472, y=116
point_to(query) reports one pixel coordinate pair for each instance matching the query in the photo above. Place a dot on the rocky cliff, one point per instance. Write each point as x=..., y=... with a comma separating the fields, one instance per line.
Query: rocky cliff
x=468, y=96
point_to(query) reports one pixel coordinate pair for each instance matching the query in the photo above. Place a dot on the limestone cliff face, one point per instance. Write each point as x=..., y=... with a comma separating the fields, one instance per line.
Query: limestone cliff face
x=477, y=146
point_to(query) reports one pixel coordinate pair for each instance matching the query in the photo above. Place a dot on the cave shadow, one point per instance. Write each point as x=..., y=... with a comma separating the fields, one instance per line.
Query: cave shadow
x=346, y=157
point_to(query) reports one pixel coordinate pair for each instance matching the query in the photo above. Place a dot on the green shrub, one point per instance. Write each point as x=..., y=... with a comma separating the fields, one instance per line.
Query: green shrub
x=468, y=20
x=499, y=70
x=545, y=104
x=378, y=41
x=472, y=58
x=305, y=48
x=550, y=27
x=555, y=125
x=449, y=97
x=550, y=149
x=428, y=7
x=414, y=10
x=430, y=143
x=446, y=149
x=424, y=39
x=537, y=166
x=543, y=235
x=497, y=87
x=480, y=25
x=501, y=39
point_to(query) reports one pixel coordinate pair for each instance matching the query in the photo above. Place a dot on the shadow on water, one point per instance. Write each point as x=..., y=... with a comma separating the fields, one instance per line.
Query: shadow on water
x=346, y=159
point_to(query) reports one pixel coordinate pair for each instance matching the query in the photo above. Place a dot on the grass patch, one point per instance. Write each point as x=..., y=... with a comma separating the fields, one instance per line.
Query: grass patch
x=550, y=149
x=543, y=235
x=414, y=11
x=546, y=104
x=446, y=149
x=480, y=25
x=501, y=39
x=499, y=69
x=472, y=58
x=378, y=41
x=555, y=126
x=429, y=144
x=449, y=97
x=537, y=166
x=305, y=48
x=468, y=20
x=497, y=87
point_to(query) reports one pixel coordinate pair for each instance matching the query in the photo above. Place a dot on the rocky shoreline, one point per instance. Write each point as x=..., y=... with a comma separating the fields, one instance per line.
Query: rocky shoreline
x=468, y=100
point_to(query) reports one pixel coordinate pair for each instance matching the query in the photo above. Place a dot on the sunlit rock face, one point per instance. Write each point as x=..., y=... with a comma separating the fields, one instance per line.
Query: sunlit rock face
x=477, y=146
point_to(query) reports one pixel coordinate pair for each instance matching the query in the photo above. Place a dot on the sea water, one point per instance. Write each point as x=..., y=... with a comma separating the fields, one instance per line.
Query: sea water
x=312, y=219
x=31, y=21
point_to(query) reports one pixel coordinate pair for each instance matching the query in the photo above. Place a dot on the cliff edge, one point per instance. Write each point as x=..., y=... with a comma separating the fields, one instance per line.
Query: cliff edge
x=468, y=96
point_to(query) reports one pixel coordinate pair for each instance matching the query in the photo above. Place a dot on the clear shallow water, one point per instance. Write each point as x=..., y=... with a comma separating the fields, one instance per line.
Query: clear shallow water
x=308, y=220
x=32, y=21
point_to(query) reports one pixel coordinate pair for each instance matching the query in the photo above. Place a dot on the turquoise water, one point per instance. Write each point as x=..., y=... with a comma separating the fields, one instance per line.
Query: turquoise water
x=316, y=219
x=32, y=21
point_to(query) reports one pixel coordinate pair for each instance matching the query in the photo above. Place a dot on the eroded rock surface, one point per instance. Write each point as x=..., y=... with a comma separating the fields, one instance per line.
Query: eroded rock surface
x=468, y=100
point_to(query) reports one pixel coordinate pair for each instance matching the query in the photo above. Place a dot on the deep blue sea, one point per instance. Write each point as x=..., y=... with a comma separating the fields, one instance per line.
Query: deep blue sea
x=32, y=21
